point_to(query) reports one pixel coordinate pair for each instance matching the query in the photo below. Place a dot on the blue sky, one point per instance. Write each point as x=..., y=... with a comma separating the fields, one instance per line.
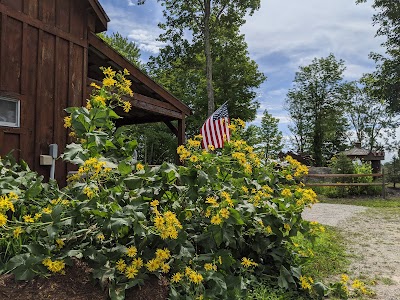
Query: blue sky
x=281, y=36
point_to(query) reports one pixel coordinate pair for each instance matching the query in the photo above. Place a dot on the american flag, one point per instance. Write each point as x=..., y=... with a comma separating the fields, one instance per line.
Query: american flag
x=215, y=129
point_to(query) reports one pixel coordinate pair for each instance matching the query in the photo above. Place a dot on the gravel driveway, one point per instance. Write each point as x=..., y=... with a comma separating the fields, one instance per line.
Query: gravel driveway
x=373, y=242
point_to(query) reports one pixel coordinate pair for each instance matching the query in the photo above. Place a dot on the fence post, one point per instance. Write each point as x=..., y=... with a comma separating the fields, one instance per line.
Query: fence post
x=383, y=184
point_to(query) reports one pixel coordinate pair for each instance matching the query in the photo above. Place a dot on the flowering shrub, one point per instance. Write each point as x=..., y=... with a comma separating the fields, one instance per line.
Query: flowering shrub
x=212, y=226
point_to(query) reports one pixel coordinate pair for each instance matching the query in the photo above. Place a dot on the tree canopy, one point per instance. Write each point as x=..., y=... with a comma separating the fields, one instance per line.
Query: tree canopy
x=387, y=74
x=315, y=104
x=181, y=64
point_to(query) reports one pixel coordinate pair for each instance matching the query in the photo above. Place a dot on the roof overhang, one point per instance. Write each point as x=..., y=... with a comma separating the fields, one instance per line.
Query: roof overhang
x=101, y=16
x=151, y=102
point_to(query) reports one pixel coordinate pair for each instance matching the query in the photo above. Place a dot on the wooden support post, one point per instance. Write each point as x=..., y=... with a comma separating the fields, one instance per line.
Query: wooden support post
x=181, y=131
x=383, y=184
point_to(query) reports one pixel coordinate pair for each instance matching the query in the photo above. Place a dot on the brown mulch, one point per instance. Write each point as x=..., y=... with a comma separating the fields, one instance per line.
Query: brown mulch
x=76, y=284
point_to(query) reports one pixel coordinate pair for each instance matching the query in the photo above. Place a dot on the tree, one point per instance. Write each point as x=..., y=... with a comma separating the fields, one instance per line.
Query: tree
x=370, y=117
x=270, y=136
x=392, y=169
x=387, y=74
x=123, y=46
x=198, y=23
x=180, y=67
x=315, y=103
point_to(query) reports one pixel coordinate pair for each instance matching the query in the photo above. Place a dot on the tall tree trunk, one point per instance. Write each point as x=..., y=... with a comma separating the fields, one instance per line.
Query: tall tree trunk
x=317, y=143
x=207, y=51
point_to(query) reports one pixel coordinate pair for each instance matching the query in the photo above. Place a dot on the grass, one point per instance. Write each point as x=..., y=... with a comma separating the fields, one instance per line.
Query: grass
x=329, y=260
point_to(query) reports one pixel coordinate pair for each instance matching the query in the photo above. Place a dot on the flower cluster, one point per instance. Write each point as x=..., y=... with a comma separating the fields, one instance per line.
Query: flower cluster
x=57, y=266
x=92, y=169
x=166, y=224
x=6, y=205
x=248, y=262
x=306, y=282
x=159, y=262
x=300, y=169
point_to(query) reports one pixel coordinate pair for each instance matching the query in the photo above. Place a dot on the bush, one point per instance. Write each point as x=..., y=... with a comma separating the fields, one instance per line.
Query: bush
x=212, y=227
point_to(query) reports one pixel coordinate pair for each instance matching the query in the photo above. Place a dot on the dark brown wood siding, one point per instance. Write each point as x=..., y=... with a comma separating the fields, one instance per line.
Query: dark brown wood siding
x=43, y=49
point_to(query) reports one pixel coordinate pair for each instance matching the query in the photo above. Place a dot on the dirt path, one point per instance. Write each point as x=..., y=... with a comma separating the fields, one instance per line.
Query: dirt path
x=373, y=242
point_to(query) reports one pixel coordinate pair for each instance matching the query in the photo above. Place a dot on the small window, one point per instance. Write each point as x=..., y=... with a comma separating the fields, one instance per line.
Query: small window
x=9, y=112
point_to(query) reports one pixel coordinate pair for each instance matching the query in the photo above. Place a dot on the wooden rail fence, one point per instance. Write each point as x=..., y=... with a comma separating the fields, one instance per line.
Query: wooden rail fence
x=337, y=184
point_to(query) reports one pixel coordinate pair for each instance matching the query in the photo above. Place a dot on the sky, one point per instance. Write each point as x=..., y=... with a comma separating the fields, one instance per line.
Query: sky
x=281, y=36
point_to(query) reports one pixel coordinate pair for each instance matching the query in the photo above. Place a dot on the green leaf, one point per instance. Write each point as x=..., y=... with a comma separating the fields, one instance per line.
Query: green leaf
x=133, y=182
x=124, y=168
x=236, y=215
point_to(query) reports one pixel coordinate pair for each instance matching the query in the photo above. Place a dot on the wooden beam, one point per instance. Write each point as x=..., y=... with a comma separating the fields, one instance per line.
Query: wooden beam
x=181, y=131
x=343, y=175
x=172, y=127
x=146, y=80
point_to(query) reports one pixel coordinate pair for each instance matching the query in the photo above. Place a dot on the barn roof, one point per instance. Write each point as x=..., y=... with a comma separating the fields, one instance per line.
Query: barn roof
x=102, y=18
x=151, y=101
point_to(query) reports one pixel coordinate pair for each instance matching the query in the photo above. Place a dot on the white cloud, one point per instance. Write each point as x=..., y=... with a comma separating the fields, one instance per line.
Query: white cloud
x=146, y=39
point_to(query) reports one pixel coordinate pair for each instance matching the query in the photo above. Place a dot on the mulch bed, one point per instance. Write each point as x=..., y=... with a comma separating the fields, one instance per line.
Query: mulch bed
x=76, y=284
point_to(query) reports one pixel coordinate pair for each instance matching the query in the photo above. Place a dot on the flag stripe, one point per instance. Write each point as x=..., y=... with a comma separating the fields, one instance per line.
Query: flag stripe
x=215, y=129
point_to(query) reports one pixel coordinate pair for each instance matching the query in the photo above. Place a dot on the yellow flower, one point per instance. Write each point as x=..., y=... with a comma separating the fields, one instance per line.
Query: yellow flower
x=154, y=203
x=60, y=243
x=209, y=267
x=108, y=72
x=127, y=106
x=248, y=262
x=194, y=158
x=131, y=251
x=165, y=268
x=211, y=147
x=137, y=263
x=100, y=99
x=286, y=193
x=131, y=272
x=176, y=277
x=54, y=266
x=289, y=177
x=109, y=82
x=152, y=265
x=245, y=189
x=163, y=254
x=287, y=227
x=95, y=85
x=305, y=282
x=211, y=200
x=67, y=122
x=216, y=220
x=345, y=278
x=12, y=196
x=28, y=219
x=17, y=231
x=268, y=229
x=139, y=167
x=224, y=213
x=126, y=72
x=37, y=216
x=47, y=210
x=100, y=237
x=88, y=192
x=120, y=265
x=3, y=220
x=193, y=143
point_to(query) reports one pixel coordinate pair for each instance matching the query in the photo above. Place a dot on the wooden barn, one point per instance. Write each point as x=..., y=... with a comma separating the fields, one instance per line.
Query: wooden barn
x=49, y=55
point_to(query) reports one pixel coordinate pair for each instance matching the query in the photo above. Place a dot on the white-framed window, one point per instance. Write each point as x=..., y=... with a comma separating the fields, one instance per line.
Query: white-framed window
x=10, y=112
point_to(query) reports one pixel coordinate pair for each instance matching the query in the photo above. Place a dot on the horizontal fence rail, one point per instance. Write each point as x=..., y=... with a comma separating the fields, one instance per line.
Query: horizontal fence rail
x=338, y=184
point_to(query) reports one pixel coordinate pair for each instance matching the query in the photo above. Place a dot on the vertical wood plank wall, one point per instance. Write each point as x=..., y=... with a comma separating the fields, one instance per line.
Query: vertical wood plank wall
x=43, y=44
